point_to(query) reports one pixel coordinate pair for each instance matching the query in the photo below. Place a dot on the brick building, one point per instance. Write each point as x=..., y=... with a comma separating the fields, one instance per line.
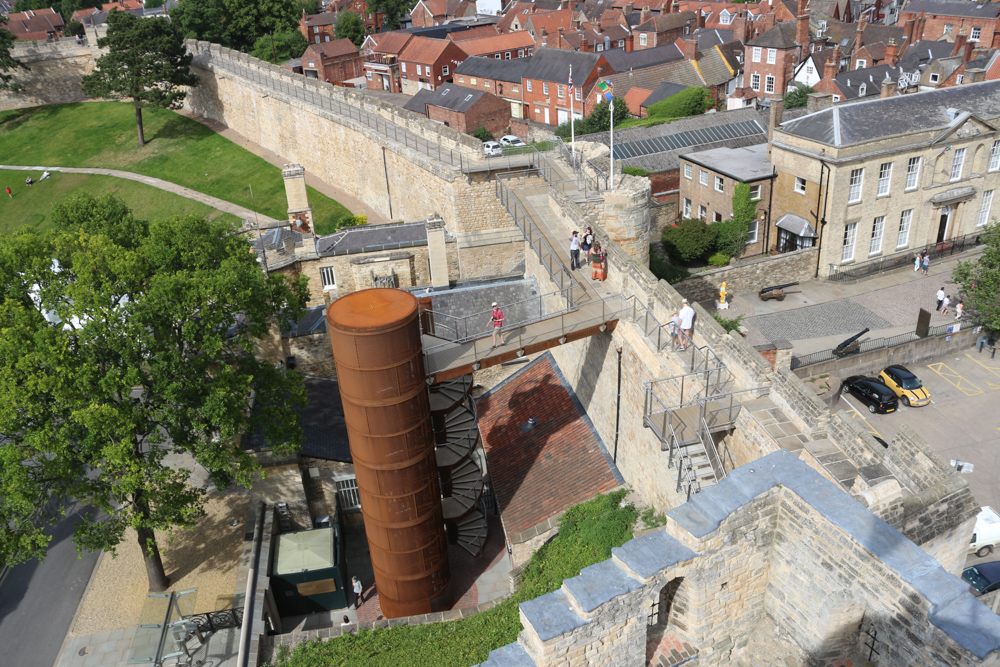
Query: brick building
x=382, y=65
x=462, y=108
x=373, y=20
x=499, y=77
x=944, y=19
x=660, y=30
x=500, y=47
x=769, y=60
x=318, y=28
x=545, y=88
x=708, y=181
x=426, y=63
x=436, y=12
x=36, y=24
x=333, y=62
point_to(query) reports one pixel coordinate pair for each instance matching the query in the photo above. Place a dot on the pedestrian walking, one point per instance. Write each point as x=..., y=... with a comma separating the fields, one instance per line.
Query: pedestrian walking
x=600, y=270
x=587, y=243
x=687, y=323
x=959, y=309
x=916, y=262
x=496, y=321
x=358, y=589
x=574, y=251
x=8, y=192
x=674, y=329
x=940, y=299
x=925, y=261
x=945, y=304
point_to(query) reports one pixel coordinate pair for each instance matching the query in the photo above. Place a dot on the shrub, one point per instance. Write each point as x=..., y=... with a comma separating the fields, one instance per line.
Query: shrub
x=718, y=259
x=798, y=98
x=482, y=134
x=635, y=171
x=599, y=120
x=663, y=269
x=727, y=323
x=689, y=240
x=689, y=102
x=651, y=519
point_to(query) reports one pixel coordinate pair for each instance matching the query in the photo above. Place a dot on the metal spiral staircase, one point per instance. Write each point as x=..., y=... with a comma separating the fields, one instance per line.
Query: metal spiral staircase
x=456, y=436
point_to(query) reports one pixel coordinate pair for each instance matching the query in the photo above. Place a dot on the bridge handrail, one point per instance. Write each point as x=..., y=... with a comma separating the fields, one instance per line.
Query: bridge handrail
x=477, y=325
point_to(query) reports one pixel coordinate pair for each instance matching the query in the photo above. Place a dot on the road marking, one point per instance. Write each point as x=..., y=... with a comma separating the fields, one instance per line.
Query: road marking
x=856, y=414
x=955, y=379
x=992, y=369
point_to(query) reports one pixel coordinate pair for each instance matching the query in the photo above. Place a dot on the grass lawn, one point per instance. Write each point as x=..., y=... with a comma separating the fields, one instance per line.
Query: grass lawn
x=178, y=149
x=587, y=533
x=30, y=206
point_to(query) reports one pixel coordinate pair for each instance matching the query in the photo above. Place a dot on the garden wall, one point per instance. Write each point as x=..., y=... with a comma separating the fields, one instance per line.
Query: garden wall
x=747, y=278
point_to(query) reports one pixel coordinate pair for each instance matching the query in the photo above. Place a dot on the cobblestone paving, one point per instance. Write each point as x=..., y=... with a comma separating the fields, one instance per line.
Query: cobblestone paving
x=825, y=319
x=899, y=304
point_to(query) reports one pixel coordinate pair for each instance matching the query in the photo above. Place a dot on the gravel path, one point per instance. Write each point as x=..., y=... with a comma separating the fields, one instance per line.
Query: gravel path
x=205, y=558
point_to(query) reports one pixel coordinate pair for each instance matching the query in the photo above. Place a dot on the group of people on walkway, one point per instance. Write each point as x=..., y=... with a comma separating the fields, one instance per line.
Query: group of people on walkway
x=593, y=254
x=922, y=261
x=944, y=302
x=28, y=182
x=680, y=326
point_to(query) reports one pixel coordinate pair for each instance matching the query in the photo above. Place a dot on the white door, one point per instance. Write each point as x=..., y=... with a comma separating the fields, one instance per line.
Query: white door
x=563, y=116
x=547, y=121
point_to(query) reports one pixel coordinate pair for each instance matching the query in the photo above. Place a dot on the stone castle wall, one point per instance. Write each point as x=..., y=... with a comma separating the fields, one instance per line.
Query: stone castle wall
x=747, y=278
x=53, y=75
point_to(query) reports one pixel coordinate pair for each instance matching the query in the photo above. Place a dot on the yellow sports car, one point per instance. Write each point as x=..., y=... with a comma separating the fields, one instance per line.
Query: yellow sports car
x=906, y=385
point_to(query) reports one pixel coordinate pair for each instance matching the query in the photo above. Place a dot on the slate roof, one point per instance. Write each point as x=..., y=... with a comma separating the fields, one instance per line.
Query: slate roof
x=876, y=32
x=553, y=65
x=870, y=77
x=324, y=430
x=325, y=18
x=491, y=68
x=372, y=238
x=667, y=22
x=845, y=125
x=621, y=61
x=455, y=98
x=709, y=37
x=923, y=52
x=964, y=8
x=662, y=92
x=781, y=36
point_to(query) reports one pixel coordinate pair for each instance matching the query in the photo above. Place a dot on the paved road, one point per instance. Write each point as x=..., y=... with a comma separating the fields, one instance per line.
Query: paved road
x=38, y=600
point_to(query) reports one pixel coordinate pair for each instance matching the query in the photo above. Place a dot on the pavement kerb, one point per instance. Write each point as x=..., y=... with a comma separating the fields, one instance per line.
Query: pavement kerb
x=79, y=608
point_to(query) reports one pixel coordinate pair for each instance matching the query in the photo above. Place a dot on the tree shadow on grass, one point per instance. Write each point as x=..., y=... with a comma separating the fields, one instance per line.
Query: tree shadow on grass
x=179, y=127
x=15, y=118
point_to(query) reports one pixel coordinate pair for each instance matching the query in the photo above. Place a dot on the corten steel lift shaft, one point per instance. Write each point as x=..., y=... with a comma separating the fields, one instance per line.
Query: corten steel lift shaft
x=376, y=346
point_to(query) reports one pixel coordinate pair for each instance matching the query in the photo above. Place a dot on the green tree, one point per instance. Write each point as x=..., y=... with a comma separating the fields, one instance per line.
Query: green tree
x=482, y=134
x=7, y=62
x=980, y=281
x=599, y=119
x=350, y=26
x=689, y=240
x=798, y=98
x=146, y=62
x=125, y=342
x=732, y=234
x=689, y=102
x=75, y=29
x=288, y=44
x=201, y=19
x=248, y=21
x=152, y=4
x=310, y=7
x=392, y=10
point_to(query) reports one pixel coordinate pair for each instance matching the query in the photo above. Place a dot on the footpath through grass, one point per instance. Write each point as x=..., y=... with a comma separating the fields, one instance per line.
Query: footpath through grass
x=587, y=533
x=31, y=205
x=178, y=149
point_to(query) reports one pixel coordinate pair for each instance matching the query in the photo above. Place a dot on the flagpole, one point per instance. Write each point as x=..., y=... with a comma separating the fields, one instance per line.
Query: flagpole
x=611, y=106
x=572, y=124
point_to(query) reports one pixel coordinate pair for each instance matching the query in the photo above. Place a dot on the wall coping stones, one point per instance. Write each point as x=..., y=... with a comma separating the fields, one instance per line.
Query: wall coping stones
x=600, y=583
x=511, y=655
x=550, y=615
x=651, y=553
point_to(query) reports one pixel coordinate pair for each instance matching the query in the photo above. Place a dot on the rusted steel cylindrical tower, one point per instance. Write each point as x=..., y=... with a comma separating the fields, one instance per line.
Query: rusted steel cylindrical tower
x=377, y=349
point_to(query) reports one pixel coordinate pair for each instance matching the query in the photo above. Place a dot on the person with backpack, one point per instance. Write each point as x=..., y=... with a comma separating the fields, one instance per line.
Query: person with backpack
x=587, y=243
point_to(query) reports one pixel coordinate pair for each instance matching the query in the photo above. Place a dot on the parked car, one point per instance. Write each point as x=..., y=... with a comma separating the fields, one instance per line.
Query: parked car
x=906, y=385
x=984, y=578
x=512, y=141
x=986, y=534
x=492, y=149
x=871, y=392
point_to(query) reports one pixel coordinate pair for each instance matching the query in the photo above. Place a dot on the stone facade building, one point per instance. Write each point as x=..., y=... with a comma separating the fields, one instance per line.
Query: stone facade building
x=923, y=173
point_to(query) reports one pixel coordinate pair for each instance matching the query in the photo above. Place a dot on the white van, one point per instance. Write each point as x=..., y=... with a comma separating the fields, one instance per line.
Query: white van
x=987, y=532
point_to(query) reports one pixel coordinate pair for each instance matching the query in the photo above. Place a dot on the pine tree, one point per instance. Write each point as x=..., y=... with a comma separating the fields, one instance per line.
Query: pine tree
x=146, y=62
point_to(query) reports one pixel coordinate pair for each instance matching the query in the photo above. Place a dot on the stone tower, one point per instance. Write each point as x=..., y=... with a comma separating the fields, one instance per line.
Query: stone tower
x=300, y=215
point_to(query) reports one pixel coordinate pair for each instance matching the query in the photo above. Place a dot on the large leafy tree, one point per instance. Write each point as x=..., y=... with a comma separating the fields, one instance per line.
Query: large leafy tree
x=124, y=342
x=980, y=281
x=283, y=46
x=392, y=10
x=350, y=26
x=7, y=62
x=247, y=21
x=201, y=19
x=146, y=62
x=798, y=98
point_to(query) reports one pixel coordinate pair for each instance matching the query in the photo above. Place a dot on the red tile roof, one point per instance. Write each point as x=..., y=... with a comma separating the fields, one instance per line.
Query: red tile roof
x=424, y=49
x=552, y=467
x=392, y=42
x=334, y=49
x=122, y=4
x=35, y=24
x=476, y=32
x=508, y=42
x=79, y=14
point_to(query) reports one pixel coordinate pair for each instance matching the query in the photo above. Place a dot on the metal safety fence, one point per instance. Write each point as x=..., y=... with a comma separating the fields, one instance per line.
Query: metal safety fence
x=880, y=343
x=851, y=272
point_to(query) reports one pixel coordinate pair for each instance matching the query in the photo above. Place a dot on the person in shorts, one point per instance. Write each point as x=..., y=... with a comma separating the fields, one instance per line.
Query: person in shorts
x=586, y=243
x=496, y=320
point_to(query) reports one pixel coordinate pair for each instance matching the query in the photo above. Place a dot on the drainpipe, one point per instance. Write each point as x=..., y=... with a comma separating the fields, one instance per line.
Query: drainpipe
x=820, y=215
x=618, y=402
x=242, y=655
x=770, y=198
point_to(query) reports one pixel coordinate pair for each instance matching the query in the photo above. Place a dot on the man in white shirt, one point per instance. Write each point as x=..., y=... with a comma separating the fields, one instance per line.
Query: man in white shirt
x=574, y=251
x=940, y=299
x=687, y=322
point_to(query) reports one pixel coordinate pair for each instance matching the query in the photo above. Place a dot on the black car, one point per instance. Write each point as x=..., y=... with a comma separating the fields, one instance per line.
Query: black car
x=871, y=392
x=984, y=578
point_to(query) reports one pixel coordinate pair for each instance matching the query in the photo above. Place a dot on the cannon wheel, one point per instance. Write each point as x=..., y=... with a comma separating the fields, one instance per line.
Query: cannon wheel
x=780, y=298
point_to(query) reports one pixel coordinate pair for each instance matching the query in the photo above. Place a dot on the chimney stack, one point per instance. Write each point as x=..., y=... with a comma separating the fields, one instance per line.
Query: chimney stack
x=689, y=47
x=584, y=45
x=818, y=102
x=969, y=48
x=675, y=7
x=888, y=88
x=630, y=43
x=700, y=17
x=832, y=66
x=859, y=40
x=644, y=15
x=891, y=52
x=908, y=28
x=628, y=8
x=960, y=40
x=802, y=31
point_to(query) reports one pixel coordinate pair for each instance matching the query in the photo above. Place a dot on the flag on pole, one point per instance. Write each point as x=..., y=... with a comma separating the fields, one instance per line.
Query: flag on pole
x=607, y=89
x=571, y=81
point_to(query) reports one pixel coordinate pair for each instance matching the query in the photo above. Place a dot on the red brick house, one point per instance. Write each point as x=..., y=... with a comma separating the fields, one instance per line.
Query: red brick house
x=333, y=62
x=435, y=12
x=36, y=24
x=373, y=20
x=463, y=109
x=946, y=17
x=660, y=30
x=769, y=59
x=318, y=28
x=545, y=89
x=427, y=63
x=500, y=77
x=502, y=47
x=382, y=60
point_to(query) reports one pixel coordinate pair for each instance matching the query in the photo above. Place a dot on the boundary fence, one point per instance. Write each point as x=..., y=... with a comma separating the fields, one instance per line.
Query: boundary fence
x=852, y=272
x=880, y=343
